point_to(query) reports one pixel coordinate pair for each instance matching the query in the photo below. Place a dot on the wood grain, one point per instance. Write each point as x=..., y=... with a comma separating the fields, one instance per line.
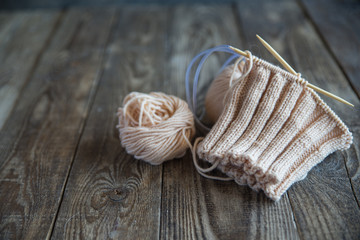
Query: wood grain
x=194, y=207
x=111, y=195
x=339, y=26
x=63, y=173
x=39, y=139
x=323, y=203
x=23, y=36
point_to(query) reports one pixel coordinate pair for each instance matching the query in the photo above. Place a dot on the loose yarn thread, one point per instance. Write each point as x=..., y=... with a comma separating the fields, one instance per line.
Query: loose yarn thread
x=216, y=95
x=155, y=127
x=191, y=94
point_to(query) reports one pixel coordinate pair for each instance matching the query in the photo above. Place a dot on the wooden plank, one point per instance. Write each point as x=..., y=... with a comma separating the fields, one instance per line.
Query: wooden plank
x=111, y=195
x=339, y=26
x=39, y=139
x=23, y=35
x=324, y=204
x=194, y=207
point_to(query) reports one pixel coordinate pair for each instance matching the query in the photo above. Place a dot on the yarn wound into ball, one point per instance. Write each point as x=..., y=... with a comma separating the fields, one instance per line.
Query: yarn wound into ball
x=155, y=127
x=215, y=96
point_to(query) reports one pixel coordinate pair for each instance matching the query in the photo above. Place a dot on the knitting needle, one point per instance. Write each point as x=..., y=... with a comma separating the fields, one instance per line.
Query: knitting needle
x=239, y=51
x=290, y=69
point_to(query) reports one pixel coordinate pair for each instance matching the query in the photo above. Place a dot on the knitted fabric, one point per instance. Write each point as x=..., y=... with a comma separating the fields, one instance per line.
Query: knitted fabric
x=272, y=131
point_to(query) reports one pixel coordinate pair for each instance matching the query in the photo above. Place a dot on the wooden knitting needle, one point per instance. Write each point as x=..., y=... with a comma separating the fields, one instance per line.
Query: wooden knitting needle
x=290, y=69
x=239, y=51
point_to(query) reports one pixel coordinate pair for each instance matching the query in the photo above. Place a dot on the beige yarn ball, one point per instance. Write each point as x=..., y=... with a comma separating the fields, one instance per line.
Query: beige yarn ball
x=214, y=100
x=155, y=127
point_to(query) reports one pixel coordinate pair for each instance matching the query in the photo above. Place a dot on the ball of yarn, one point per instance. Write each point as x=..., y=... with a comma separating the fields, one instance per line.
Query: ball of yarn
x=155, y=127
x=214, y=100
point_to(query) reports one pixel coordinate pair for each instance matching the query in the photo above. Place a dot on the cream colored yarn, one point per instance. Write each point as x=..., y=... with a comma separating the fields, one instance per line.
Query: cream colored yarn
x=155, y=127
x=272, y=131
x=215, y=96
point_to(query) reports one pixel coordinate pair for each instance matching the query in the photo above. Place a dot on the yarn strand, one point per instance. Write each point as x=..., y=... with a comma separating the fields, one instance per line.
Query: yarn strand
x=191, y=98
x=155, y=127
x=203, y=171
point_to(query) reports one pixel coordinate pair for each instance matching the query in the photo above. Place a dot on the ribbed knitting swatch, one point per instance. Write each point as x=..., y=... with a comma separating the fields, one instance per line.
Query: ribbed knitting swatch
x=272, y=131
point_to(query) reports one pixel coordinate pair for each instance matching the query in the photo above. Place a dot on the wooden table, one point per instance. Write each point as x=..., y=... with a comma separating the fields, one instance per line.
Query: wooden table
x=64, y=73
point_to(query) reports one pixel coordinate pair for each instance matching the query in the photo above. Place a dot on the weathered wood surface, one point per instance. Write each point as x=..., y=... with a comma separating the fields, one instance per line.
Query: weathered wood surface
x=324, y=204
x=63, y=173
x=18, y=31
x=110, y=194
x=339, y=25
x=39, y=139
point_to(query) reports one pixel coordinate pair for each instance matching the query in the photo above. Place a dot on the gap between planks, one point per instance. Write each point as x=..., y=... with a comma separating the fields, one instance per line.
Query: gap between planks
x=88, y=108
x=327, y=46
x=337, y=61
x=34, y=66
x=295, y=198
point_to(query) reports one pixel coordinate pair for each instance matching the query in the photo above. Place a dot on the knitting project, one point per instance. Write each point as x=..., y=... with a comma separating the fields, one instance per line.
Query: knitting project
x=272, y=131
